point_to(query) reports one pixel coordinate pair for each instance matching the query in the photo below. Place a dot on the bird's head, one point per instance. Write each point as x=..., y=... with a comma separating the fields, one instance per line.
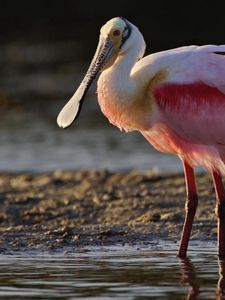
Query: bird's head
x=116, y=37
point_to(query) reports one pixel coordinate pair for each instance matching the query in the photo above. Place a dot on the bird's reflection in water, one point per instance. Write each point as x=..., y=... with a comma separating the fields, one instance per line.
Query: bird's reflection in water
x=188, y=277
x=221, y=280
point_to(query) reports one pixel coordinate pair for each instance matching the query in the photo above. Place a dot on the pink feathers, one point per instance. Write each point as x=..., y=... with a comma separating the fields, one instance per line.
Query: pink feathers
x=191, y=123
x=189, y=98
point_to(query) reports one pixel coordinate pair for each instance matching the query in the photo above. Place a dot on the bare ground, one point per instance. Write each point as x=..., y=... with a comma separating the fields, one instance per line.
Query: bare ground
x=53, y=210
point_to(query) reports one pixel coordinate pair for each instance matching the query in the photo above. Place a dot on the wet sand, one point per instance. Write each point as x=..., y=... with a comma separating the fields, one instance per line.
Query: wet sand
x=51, y=211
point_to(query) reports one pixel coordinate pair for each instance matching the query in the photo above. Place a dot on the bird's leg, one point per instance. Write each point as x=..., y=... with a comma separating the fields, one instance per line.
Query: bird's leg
x=220, y=212
x=190, y=207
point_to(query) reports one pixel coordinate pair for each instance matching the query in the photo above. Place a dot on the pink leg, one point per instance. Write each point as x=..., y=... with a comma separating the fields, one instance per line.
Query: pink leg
x=220, y=212
x=190, y=207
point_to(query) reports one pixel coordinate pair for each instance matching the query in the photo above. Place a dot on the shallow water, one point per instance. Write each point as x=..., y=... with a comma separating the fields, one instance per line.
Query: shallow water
x=32, y=141
x=149, y=272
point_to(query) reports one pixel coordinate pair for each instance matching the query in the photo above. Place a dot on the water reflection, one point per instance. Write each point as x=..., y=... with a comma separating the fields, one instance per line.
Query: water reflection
x=221, y=281
x=188, y=277
x=121, y=273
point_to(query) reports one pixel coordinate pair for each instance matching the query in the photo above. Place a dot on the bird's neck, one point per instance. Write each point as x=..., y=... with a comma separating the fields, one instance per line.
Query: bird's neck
x=120, y=96
x=125, y=62
x=117, y=79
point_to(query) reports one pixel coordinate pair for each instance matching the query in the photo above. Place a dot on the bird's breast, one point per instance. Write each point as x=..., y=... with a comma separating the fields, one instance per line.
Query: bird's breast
x=122, y=109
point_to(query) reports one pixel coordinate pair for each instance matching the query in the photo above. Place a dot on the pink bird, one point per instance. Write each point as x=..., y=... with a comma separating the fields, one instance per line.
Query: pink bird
x=175, y=98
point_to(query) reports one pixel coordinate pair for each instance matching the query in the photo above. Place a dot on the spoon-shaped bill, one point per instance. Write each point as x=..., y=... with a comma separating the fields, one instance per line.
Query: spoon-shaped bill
x=72, y=109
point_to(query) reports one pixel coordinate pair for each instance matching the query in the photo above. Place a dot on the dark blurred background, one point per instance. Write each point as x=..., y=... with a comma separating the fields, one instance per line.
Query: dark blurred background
x=45, y=48
x=56, y=36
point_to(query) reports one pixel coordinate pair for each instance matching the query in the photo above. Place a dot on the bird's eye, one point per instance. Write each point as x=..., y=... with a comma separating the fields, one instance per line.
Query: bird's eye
x=116, y=32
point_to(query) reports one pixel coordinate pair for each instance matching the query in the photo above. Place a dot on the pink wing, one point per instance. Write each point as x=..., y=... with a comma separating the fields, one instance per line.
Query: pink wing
x=195, y=108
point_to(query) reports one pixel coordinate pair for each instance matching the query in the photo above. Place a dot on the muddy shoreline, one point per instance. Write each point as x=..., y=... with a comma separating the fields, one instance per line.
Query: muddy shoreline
x=51, y=211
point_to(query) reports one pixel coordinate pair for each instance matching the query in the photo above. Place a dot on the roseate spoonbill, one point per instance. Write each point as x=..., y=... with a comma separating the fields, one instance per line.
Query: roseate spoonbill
x=175, y=98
